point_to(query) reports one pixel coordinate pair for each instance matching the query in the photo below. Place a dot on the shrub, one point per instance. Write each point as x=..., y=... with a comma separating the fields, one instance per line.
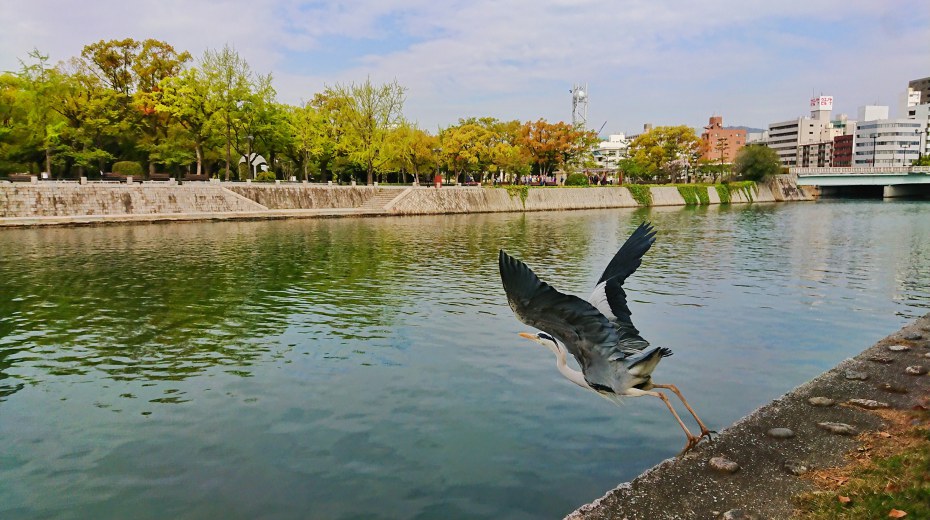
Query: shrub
x=694, y=195
x=576, y=179
x=127, y=168
x=264, y=177
x=640, y=193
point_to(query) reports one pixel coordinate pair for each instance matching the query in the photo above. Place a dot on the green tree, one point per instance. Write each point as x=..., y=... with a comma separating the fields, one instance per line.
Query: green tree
x=756, y=162
x=305, y=127
x=367, y=115
x=40, y=121
x=466, y=148
x=666, y=151
x=411, y=150
x=229, y=80
x=154, y=64
x=91, y=117
x=632, y=170
x=189, y=99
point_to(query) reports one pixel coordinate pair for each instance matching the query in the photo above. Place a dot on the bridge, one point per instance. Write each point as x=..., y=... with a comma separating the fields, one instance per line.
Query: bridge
x=894, y=181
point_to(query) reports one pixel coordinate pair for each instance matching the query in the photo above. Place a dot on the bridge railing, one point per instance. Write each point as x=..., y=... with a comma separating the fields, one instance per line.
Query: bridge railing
x=861, y=170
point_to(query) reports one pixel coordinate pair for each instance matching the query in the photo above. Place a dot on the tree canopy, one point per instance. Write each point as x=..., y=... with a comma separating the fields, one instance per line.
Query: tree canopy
x=666, y=151
x=146, y=102
x=756, y=162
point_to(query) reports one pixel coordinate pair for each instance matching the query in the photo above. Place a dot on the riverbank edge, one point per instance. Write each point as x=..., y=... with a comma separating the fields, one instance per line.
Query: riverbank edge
x=79, y=205
x=771, y=470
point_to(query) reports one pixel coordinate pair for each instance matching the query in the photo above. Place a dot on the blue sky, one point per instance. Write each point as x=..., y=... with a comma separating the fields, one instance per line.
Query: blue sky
x=655, y=61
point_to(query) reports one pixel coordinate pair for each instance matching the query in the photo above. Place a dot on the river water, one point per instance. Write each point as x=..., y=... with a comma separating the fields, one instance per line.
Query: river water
x=370, y=368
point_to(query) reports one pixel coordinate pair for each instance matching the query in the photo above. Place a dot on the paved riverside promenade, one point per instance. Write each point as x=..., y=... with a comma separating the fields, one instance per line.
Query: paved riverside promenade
x=769, y=464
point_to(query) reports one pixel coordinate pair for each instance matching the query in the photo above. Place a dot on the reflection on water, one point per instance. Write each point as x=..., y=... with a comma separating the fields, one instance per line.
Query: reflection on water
x=370, y=368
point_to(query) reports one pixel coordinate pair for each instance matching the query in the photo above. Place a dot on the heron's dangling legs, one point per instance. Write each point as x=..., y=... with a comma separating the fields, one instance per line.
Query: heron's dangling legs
x=692, y=440
x=704, y=431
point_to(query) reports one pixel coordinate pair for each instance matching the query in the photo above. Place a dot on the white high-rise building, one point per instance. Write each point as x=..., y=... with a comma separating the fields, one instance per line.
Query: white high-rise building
x=888, y=142
x=873, y=112
x=788, y=137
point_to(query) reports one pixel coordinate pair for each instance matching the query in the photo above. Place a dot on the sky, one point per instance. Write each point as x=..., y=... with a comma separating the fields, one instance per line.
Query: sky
x=665, y=62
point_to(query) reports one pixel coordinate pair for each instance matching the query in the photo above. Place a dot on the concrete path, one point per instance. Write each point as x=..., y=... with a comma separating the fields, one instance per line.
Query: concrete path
x=769, y=464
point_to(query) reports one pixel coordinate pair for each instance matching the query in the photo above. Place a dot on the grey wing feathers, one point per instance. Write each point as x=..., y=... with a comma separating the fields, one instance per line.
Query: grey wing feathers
x=608, y=295
x=588, y=334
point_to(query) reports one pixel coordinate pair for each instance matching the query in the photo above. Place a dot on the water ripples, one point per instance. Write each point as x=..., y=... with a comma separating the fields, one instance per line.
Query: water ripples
x=281, y=367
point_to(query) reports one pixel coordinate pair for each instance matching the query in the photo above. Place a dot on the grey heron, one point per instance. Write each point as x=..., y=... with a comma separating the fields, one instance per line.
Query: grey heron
x=615, y=360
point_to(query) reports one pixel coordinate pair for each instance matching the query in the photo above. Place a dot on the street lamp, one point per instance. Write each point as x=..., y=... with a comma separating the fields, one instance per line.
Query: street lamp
x=248, y=158
x=920, y=149
x=437, y=180
x=874, y=138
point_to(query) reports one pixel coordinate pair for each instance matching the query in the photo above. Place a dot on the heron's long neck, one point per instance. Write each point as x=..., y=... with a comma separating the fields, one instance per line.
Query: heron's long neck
x=571, y=374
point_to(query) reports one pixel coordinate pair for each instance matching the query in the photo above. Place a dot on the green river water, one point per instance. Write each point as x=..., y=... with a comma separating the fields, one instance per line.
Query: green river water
x=370, y=368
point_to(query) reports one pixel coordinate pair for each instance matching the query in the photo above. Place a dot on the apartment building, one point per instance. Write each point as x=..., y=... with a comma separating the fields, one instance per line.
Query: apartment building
x=608, y=153
x=721, y=144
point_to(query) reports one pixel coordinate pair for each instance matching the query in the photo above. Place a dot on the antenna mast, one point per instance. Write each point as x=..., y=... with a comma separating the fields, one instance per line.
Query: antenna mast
x=579, y=105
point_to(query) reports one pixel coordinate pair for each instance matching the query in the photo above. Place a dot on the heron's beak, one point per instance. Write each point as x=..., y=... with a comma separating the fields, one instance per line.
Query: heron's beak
x=528, y=336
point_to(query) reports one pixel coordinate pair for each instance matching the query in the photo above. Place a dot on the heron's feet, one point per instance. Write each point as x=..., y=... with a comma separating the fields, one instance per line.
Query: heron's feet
x=692, y=443
x=710, y=434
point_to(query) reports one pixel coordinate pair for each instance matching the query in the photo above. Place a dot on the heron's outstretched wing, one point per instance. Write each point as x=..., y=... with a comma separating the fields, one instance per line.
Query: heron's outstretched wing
x=587, y=333
x=608, y=295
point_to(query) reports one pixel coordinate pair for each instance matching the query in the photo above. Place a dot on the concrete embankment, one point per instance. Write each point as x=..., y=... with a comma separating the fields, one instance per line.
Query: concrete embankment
x=817, y=424
x=50, y=203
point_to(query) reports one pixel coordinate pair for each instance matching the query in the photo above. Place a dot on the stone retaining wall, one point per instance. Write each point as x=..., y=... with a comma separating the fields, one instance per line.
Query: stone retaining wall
x=306, y=196
x=54, y=199
x=424, y=201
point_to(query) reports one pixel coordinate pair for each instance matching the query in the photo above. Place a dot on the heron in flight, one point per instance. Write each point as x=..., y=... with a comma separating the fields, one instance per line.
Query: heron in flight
x=615, y=360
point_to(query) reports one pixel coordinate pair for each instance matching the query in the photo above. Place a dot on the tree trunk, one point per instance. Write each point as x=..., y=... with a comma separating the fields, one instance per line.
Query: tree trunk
x=198, y=149
x=228, y=152
x=48, y=161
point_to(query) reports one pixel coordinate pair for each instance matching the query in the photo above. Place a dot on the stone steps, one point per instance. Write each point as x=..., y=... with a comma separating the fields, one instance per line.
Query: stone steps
x=381, y=198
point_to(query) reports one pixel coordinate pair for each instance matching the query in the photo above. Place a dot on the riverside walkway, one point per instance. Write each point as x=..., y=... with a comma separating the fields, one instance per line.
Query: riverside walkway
x=755, y=468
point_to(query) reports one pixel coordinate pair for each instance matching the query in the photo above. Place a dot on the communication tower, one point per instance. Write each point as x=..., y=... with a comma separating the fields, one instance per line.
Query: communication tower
x=579, y=105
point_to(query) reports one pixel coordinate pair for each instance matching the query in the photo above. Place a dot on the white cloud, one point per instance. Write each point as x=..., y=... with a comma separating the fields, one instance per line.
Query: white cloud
x=659, y=61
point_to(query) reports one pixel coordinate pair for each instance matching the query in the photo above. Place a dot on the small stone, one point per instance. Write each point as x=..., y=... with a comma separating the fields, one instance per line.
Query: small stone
x=856, y=375
x=868, y=404
x=795, y=467
x=837, y=428
x=927, y=355
x=913, y=336
x=893, y=388
x=821, y=401
x=881, y=359
x=915, y=370
x=780, y=433
x=736, y=514
x=723, y=465
x=899, y=348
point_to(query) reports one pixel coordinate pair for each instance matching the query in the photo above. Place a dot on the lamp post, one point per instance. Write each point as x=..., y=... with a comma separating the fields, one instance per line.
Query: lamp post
x=920, y=149
x=437, y=180
x=874, y=138
x=248, y=158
